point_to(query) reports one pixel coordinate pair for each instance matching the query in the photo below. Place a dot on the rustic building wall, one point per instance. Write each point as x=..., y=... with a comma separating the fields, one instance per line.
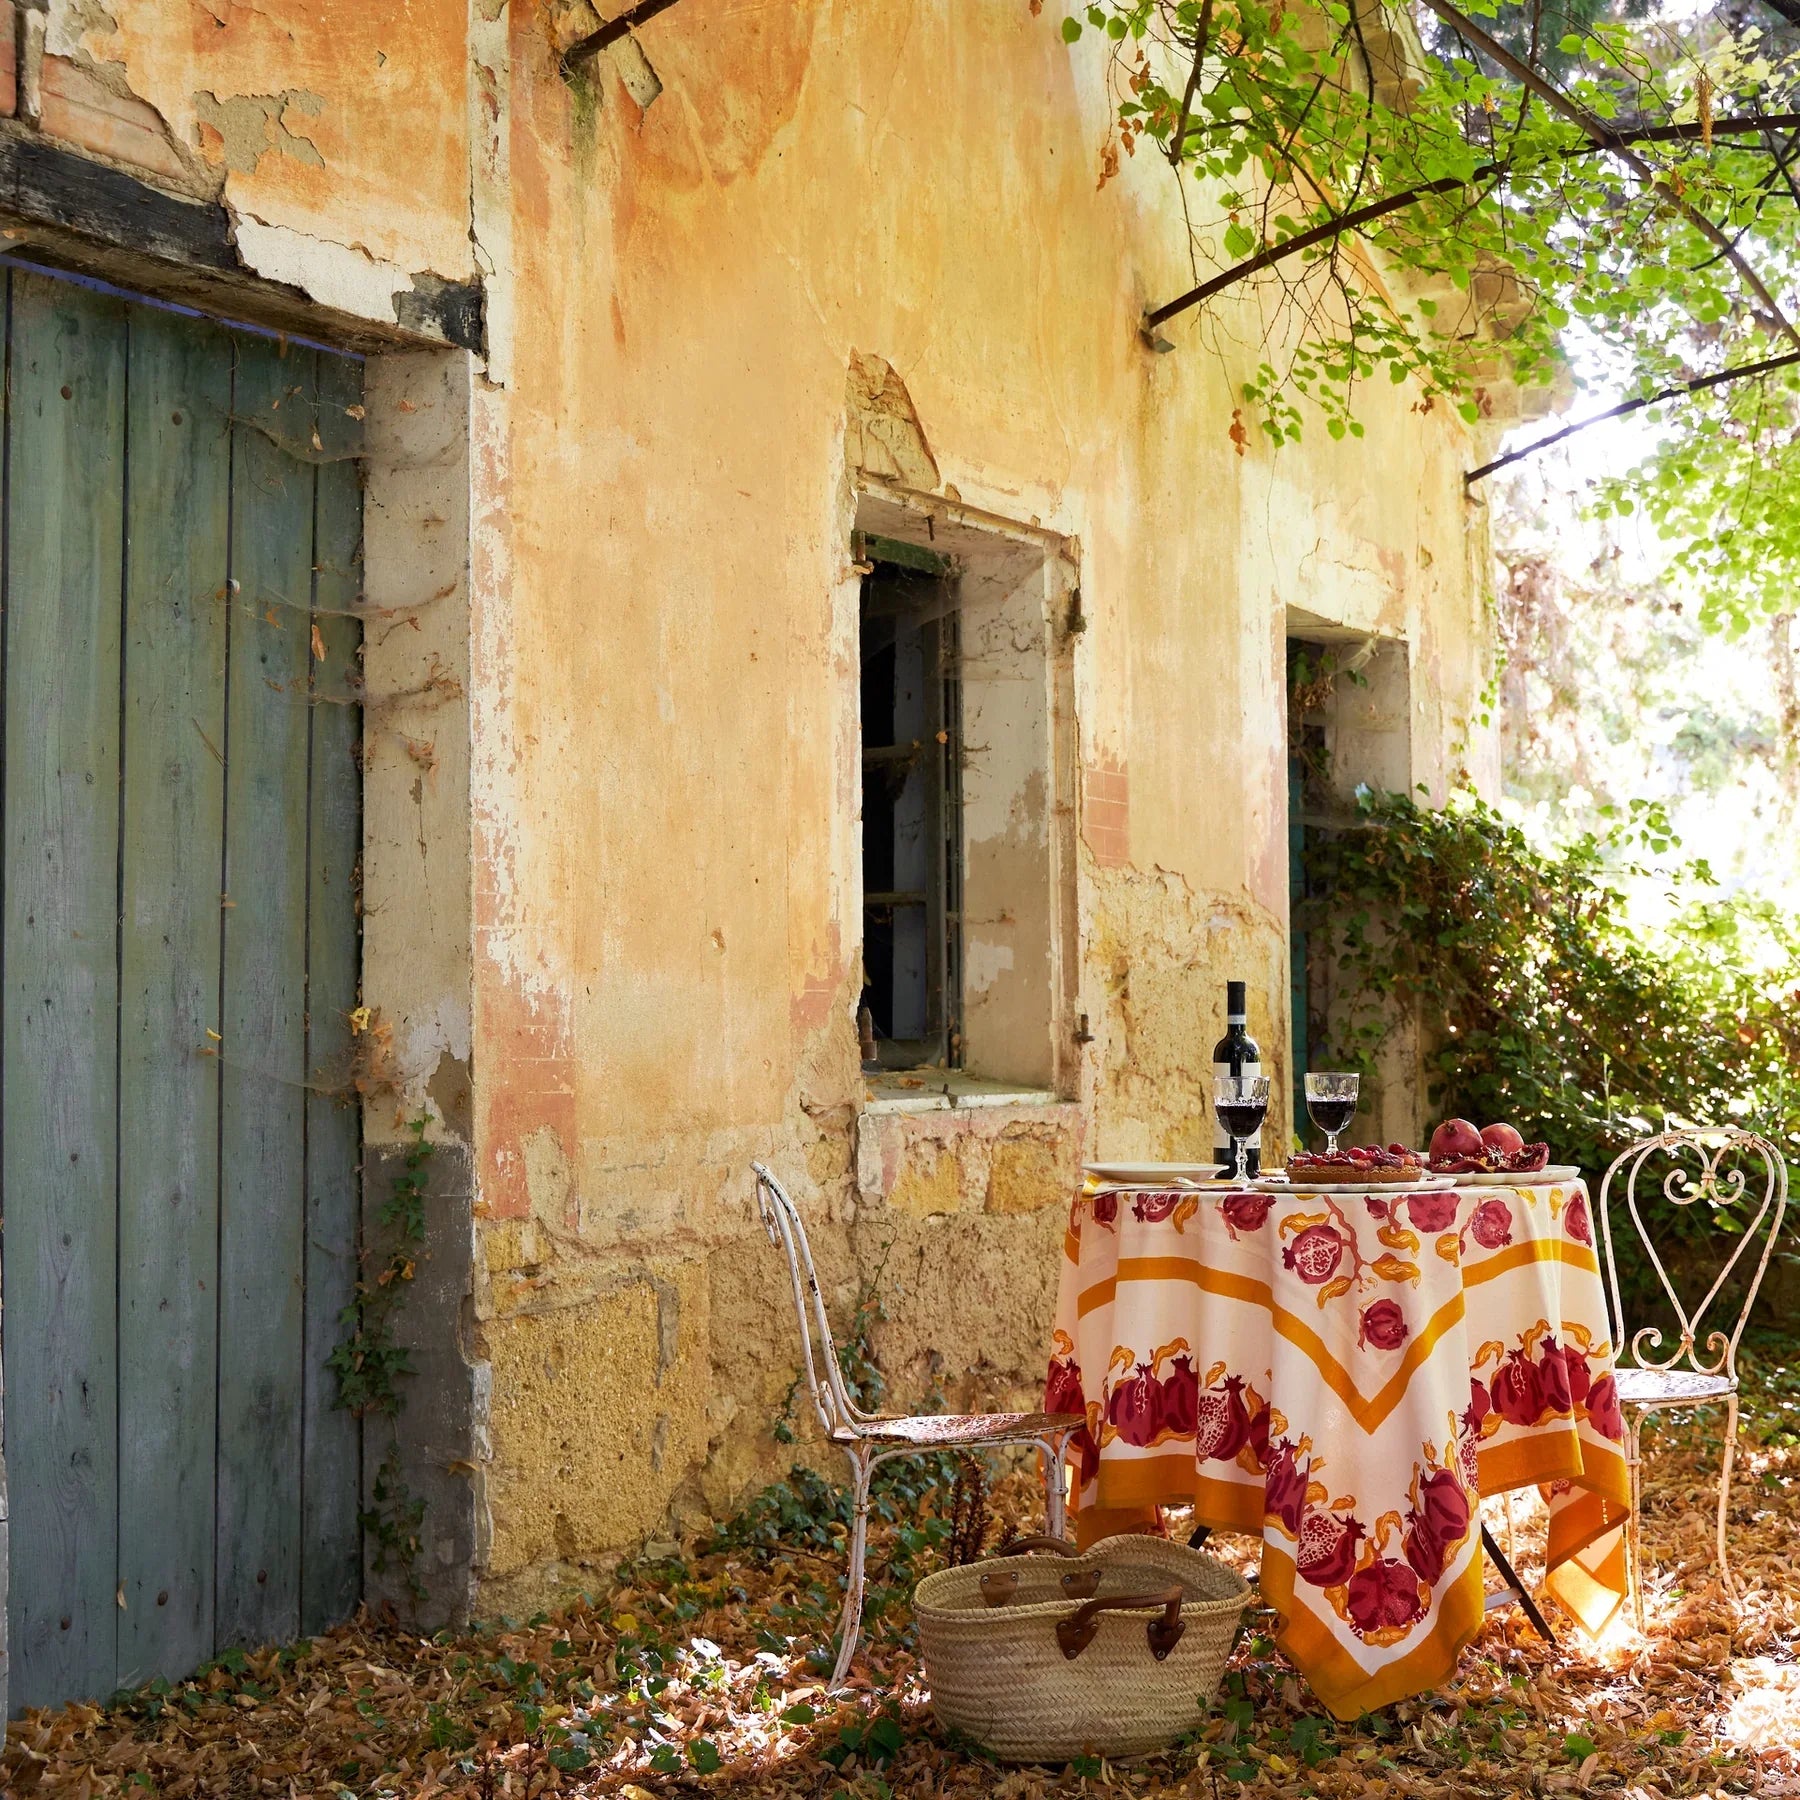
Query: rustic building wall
x=848, y=255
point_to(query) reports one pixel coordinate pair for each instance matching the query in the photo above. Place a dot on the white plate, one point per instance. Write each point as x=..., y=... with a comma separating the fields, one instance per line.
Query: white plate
x=1151, y=1174
x=1280, y=1184
x=1529, y=1178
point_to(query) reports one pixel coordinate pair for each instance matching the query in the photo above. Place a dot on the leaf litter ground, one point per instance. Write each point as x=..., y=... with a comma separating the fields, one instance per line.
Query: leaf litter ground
x=696, y=1674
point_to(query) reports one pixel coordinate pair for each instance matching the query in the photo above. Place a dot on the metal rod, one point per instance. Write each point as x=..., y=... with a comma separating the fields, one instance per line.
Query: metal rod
x=614, y=29
x=1492, y=1551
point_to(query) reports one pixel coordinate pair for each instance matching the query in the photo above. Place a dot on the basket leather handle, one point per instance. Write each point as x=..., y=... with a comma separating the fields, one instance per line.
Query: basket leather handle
x=999, y=1585
x=1076, y=1632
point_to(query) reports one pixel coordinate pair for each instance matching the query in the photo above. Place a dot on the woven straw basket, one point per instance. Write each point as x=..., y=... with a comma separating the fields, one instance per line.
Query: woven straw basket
x=1116, y=1652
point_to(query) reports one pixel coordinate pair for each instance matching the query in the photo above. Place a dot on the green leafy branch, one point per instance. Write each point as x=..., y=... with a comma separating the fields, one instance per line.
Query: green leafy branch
x=1439, y=209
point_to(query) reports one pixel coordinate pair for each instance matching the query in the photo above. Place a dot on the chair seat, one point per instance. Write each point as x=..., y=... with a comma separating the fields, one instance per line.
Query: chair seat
x=1665, y=1387
x=970, y=1428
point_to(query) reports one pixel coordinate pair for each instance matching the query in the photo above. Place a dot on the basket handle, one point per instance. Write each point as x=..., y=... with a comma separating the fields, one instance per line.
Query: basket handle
x=1076, y=1632
x=999, y=1585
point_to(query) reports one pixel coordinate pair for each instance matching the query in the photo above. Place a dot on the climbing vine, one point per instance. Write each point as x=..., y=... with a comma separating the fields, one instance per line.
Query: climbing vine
x=1539, y=999
x=369, y=1362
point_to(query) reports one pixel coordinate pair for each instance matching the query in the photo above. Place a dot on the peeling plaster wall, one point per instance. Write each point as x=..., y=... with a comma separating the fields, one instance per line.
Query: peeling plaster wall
x=660, y=843
x=336, y=135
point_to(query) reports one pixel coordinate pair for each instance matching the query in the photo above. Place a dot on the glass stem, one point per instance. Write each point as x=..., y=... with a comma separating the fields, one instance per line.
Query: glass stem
x=1238, y=1145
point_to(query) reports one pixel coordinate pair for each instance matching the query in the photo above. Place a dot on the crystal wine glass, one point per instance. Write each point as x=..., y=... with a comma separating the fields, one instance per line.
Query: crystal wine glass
x=1331, y=1105
x=1242, y=1103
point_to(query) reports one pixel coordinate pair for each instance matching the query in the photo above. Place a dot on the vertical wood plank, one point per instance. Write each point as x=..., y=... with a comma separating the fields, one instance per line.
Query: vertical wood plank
x=63, y=542
x=333, y=1482
x=178, y=492
x=262, y=1169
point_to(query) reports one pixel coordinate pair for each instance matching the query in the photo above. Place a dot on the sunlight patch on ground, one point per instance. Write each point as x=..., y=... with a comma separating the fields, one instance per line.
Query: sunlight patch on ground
x=1764, y=1712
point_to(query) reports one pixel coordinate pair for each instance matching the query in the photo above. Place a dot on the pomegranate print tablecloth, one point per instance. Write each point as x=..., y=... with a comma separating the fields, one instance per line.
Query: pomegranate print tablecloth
x=1345, y=1374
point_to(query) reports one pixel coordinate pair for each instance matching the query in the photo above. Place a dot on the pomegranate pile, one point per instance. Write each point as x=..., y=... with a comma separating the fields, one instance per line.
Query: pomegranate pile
x=1459, y=1148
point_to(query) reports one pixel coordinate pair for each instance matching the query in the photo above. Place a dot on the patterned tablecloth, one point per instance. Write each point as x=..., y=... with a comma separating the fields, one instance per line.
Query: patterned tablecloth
x=1344, y=1375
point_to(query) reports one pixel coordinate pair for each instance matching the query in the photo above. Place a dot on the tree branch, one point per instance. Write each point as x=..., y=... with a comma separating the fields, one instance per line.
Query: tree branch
x=1698, y=385
x=1274, y=253
x=1376, y=209
x=1201, y=32
x=1609, y=140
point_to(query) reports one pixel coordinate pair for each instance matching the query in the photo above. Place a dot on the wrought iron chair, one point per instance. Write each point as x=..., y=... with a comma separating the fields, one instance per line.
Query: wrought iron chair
x=870, y=1439
x=1647, y=1385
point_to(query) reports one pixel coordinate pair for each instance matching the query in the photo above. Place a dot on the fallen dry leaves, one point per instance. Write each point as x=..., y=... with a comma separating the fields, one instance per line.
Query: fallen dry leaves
x=690, y=1677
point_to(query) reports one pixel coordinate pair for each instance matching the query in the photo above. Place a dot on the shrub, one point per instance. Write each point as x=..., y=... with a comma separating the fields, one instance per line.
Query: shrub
x=1542, y=1003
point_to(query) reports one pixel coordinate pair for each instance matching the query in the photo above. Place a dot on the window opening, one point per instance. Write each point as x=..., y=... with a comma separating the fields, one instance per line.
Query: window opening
x=912, y=829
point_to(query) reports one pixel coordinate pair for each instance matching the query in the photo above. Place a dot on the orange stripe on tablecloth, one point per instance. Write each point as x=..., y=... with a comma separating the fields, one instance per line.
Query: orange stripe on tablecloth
x=1530, y=1250
x=1533, y=1461
x=1145, y=1481
x=1369, y=1413
x=1559, y=1455
x=1348, y=1689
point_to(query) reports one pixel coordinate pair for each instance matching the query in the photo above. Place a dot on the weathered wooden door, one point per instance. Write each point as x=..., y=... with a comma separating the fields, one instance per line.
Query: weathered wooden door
x=181, y=554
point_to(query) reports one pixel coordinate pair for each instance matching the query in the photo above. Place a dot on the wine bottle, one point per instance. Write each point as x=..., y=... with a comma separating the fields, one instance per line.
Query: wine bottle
x=1236, y=1053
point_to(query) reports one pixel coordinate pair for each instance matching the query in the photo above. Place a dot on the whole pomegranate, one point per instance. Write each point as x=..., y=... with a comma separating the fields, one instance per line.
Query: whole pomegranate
x=1453, y=1138
x=1502, y=1137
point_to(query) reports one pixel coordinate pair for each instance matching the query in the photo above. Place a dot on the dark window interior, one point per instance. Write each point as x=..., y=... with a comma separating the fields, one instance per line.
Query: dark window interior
x=912, y=807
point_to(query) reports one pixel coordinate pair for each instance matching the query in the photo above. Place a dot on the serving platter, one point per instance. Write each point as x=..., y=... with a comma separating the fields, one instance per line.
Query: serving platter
x=1150, y=1174
x=1280, y=1184
x=1526, y=1178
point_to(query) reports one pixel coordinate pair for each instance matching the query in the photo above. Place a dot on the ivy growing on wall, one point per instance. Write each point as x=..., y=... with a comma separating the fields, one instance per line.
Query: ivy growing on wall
x=369, y=1362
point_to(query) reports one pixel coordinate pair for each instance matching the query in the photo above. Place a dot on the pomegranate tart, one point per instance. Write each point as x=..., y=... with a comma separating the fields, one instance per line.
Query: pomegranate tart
x=1362, y=1165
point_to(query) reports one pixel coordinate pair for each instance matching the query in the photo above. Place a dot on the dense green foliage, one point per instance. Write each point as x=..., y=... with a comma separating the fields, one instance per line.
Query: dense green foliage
x=1666, y=253
x=1540, y=1003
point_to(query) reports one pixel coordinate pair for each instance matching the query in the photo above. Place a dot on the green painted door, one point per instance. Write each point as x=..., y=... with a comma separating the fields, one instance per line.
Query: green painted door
x=180, y=559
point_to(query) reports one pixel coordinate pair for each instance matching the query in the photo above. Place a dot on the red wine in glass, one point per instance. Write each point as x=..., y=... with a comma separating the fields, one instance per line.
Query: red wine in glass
x=1241, y=1103
x=1331, y=1104
x=1331, y=1116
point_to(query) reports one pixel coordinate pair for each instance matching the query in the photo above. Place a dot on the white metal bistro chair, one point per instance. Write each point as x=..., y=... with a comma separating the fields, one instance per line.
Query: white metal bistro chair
x=1646, y=1384
x=870, y=1439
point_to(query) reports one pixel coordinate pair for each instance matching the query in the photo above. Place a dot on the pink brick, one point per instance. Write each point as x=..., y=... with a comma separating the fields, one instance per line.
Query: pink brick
x=9, y=60
x=78, y=109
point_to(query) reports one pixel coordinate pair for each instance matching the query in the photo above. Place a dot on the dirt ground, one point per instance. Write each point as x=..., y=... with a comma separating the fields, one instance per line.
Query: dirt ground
x=695, y=1672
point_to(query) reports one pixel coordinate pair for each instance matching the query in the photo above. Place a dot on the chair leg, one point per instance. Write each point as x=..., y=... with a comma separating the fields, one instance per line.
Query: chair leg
x=1056, y=1518
x=850, y=1624
x=1634, y=1559
x=1511, y=1548
x=1731, y=1417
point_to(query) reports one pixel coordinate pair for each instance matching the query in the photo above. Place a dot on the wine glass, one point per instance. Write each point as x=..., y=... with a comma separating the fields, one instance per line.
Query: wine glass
x=1331, y=1105
x=1242, y=1103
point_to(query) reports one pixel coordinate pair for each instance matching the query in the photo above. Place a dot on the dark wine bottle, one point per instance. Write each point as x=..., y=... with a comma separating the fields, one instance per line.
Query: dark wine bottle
x=1236, y=1053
